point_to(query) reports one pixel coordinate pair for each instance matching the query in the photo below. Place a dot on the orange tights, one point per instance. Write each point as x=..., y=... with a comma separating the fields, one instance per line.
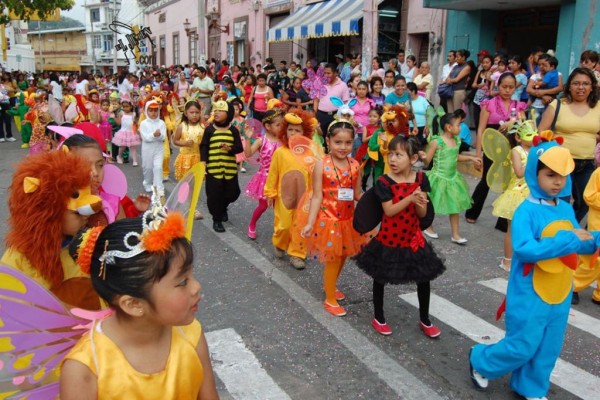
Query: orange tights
x=331, y=274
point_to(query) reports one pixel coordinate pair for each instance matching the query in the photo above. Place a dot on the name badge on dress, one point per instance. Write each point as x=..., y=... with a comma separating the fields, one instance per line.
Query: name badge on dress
x=345, y=194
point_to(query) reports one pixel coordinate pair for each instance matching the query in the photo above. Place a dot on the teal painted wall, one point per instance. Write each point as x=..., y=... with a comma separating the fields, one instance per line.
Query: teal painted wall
x=582, y=34
x=578, y=30
x=471, y=30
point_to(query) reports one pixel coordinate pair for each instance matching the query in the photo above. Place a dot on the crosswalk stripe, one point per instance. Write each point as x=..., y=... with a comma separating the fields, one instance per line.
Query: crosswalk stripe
x=578, y=319
x=398, y=378
x=239, y=369
x=571, y=378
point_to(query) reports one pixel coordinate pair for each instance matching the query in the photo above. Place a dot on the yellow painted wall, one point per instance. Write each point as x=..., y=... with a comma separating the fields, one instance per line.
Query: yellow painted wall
x=61, y=51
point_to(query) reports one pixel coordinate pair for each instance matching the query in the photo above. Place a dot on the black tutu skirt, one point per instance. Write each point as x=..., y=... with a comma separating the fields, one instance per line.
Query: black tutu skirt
x=399, y=265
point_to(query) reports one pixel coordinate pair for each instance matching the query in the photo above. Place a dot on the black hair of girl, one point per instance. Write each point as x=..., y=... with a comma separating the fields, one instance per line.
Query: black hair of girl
x=376, y=79
x=363, y=83
x=516, y=58
x=188, y=105
x=270, y=116
x=448, y=119
x=105, y=101
x=412, y=87
x=81, y=141
x=335, y=127
x=505, y=75
x=130, y=276
x=409, y=145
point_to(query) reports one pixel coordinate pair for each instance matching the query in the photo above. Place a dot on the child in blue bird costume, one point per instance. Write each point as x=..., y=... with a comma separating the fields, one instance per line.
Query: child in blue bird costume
x=546, y=241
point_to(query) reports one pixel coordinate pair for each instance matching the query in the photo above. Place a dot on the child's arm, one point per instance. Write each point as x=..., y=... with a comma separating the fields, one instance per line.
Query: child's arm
x=272, y=184
x=208, y=390
x=517, y=165
x=390, y=209
x=177, y=138
x=366, y=137
x=316, y=199
x=427, y=156
x=476, y=160
x=591, y=194
x=373, y=143
x=77, y=382
x=529, y=249
x=251, y=148
x=237, y=142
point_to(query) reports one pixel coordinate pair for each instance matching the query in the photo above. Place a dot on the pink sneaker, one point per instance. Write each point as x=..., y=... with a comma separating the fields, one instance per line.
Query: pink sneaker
x=251, y=233
x=431, y=331
x=383, y=329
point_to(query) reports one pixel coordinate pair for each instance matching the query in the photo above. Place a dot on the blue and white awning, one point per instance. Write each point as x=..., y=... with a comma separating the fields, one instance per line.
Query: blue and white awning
x=330, y=18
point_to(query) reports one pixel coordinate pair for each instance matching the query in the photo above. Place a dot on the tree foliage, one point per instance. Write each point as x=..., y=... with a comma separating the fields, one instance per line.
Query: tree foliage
x=25, y=9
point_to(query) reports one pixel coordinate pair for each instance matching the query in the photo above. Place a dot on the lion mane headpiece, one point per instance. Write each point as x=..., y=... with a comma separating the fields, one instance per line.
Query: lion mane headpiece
x=397, y=112
x=297, y=117
x=43, y=188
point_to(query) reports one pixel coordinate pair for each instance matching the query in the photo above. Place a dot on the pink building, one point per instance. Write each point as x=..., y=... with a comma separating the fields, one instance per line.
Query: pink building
x=293, y=30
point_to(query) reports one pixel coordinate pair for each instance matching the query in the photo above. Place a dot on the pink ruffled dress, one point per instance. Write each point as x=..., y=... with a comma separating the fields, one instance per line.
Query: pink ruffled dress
x=126, y=136
x=256, y=185
x=105, y=126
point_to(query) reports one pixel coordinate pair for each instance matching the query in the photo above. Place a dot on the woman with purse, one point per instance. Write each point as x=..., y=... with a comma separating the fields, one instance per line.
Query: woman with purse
x=458, y=79
x=577, y=120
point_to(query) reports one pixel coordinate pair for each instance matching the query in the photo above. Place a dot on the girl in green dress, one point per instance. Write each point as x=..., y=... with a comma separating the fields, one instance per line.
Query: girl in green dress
x=449, y=189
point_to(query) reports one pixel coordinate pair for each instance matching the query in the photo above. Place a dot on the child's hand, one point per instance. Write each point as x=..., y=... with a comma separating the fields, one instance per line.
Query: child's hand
x=305, y=232
x=189, y=143
x=582, y=234
x=142, y=202
x=157, y=133
x=225, y=146
x=270, y=202
x=478, y=163
x=415, y=131
x=422, y=155
x=419, y=197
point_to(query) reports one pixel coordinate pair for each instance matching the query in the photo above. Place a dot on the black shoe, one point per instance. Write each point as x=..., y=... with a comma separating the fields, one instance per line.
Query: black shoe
x=575, y=298
x=596, y=302
x=218, y=227
x=225, y=217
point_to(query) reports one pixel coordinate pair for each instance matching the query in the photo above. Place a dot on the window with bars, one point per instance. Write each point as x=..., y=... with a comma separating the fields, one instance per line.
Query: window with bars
x=95, y=14
x=108, y=43
x=97, y=41
x=176, y=49
x=193, y=47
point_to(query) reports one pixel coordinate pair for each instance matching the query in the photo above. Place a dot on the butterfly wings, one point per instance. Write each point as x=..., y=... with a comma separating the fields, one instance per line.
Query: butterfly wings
x=497, y=148
x=184, y=196
x=36, y=332
x=315, y=83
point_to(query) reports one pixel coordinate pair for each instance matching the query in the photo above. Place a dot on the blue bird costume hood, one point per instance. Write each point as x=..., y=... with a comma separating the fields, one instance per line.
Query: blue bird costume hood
x=548, y=150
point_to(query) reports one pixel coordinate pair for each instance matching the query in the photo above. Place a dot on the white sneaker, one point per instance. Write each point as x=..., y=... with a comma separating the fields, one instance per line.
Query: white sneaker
x=478, y=380
x=537, y=398
x=11, y=139
x=243, y=170
x=2, y=140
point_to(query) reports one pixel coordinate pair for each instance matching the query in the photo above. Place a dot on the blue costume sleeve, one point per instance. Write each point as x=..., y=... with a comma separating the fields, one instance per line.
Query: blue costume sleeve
x=528, y=248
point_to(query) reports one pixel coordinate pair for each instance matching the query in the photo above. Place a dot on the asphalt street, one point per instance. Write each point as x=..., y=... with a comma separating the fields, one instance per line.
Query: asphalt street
x=271, y=339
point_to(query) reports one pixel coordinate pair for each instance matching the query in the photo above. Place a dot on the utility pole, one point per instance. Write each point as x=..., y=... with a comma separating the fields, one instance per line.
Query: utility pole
x=92, y=40
x=115, y=12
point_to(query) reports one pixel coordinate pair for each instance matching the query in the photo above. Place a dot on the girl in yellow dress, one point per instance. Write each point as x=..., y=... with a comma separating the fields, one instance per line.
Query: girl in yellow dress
x=188, y=136
x=517, y=191
x=151, y=346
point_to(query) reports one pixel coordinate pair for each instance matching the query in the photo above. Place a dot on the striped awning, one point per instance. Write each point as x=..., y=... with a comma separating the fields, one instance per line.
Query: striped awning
x=329, y=18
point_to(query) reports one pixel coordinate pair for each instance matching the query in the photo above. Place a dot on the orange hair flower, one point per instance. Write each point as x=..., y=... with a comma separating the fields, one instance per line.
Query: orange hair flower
x=159, y=239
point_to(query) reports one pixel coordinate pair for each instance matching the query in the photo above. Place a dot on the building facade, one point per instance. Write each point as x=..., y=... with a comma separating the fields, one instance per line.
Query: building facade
x=107, y=26
x=19, y=54
x=58, y=49
x=569, y=26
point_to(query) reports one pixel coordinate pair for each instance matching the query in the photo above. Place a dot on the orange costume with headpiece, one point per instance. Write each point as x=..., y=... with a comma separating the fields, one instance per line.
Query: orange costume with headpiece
x=287, y=181
x=46, y=187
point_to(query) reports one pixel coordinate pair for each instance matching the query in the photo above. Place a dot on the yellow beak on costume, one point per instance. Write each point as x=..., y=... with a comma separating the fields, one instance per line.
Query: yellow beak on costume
x=559, y=160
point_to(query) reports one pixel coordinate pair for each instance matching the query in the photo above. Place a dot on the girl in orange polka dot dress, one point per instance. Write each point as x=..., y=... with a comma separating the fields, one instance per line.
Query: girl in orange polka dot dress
x=399, y=254
x=329, y=232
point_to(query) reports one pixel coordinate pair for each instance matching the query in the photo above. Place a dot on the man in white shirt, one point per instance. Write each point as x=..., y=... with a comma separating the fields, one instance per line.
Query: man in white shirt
x=448, y=67
x=402, y=66
x=205, y=87
x=388, y=82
